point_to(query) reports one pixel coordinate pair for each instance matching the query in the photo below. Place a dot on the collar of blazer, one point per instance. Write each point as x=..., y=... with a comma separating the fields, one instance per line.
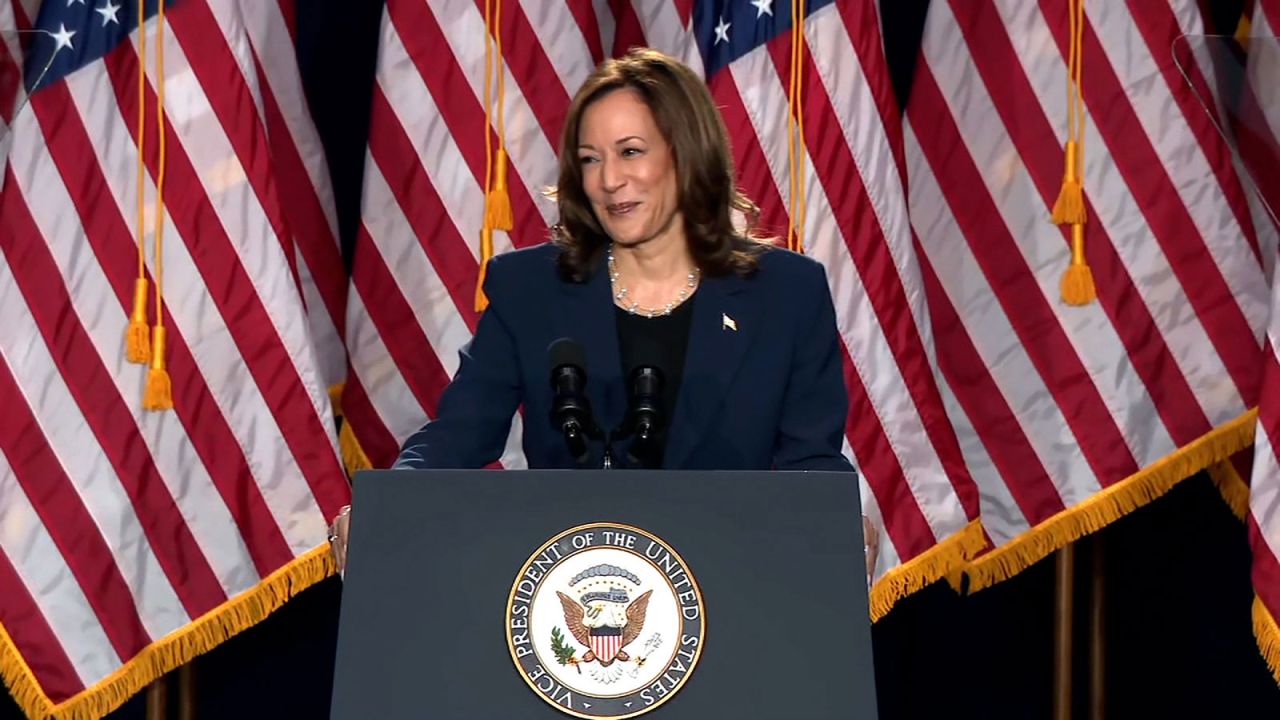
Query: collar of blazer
x=726, y=314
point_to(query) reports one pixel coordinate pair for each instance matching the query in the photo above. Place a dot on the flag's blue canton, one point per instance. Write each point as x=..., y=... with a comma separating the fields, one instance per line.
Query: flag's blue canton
x=79, y=32
x=728, y=29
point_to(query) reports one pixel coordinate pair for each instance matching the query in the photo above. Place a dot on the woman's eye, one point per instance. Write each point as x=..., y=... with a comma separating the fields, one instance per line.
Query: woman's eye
x=585, y=159
x=630, y=152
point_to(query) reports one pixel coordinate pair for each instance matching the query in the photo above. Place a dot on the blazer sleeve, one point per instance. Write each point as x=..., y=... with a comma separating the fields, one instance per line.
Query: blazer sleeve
x=473, y=417
x=816, y=404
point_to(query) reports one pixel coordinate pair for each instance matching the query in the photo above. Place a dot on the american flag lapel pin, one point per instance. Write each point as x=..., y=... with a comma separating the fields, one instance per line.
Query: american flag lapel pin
x=727, y=323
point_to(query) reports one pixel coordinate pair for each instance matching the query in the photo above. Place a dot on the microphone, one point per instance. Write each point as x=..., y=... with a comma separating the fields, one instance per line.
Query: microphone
x=570, y=409
x=645, y=417
x=646, y=402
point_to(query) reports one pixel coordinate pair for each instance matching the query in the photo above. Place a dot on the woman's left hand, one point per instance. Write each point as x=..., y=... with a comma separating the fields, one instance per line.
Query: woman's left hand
x=871, y=543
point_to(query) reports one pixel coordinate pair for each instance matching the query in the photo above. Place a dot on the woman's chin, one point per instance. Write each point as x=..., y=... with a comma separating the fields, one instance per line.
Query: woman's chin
x=627, y=239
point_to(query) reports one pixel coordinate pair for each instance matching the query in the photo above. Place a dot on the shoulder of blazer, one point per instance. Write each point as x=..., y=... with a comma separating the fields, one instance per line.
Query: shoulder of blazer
x=526, y=273
x=794, y=284
x=779, y=267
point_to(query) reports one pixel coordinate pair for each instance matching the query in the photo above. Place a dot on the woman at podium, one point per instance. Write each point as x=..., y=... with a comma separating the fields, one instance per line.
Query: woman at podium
x=650, y=330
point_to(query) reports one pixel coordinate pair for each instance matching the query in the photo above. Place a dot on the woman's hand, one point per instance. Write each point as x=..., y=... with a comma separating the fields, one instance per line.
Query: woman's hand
x=871, y=542
x=338, y=533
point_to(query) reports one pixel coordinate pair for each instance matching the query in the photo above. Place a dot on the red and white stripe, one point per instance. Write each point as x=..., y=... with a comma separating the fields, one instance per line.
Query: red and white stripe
x=410, y=308
x=416, y=260
x=298, y=161
x=606, y=647
x=118, y=527
x=15, y=20
x=1264, y=493
x=1054, y=403
x=1258, y=130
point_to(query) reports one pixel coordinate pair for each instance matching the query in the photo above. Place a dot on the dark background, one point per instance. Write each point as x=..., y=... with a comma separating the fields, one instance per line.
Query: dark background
x=1179, y=641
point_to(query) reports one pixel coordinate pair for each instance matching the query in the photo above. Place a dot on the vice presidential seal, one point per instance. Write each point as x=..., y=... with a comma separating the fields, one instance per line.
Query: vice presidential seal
x=605, y=621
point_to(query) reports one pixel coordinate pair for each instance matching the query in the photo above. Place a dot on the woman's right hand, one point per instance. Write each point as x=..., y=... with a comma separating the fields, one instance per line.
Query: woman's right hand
x=339, y=530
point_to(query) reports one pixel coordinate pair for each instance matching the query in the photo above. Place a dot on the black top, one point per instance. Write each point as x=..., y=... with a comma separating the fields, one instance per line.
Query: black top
x=661, y=342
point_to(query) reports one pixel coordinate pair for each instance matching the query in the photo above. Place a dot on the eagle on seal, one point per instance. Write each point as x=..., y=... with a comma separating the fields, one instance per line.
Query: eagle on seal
x=600, y=626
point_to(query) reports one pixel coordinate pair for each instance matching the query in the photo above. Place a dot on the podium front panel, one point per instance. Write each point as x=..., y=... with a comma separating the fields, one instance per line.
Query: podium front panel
x=435, y=555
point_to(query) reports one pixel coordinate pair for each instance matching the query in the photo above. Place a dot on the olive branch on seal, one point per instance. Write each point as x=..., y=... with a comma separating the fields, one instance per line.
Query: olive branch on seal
x=564, y=652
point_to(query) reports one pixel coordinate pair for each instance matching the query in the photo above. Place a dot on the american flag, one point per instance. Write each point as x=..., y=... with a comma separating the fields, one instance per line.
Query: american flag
x=131, y=541
x=1070, y=416
x=15, y=28
x=416, y=255
x=1262, y=115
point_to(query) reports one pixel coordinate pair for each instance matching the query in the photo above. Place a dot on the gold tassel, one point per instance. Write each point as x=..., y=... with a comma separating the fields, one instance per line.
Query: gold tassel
x=137, y=337
x=159, y=391
x=1077, y=281
x=1069, y=207
x=158, y=395
x=1244, y=30
x=335, y=398
x=486, y=252
x=497, y=199
x=498, y=203
x=795, y=131
x=1077, y=287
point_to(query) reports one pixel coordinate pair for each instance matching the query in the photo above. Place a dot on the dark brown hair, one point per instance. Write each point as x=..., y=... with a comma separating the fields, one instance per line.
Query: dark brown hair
x=690, y=123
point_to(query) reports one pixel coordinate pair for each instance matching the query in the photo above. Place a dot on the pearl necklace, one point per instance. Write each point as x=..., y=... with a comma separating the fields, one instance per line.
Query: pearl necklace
x=620, y=292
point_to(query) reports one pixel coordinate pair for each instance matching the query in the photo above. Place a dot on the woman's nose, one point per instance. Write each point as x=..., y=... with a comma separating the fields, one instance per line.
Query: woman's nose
x=611, y=176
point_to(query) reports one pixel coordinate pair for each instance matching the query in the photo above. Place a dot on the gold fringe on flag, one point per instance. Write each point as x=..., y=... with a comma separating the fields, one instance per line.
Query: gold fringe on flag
x=796, y=149
x=927, y=567
x=171, y=651
x=1110, y=504
x=1267, y=633
x=353, y=456
x=1233, y=488
x=1077, y=287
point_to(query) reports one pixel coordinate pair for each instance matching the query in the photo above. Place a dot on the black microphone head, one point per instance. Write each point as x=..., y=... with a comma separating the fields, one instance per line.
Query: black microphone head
x=566, y=351
x=645, y=355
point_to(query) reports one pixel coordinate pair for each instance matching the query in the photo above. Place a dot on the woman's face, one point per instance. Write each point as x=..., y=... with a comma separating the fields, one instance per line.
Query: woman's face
x=628, y=170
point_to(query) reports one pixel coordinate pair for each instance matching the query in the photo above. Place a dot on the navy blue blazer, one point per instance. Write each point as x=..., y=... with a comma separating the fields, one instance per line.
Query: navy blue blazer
x=762, y=387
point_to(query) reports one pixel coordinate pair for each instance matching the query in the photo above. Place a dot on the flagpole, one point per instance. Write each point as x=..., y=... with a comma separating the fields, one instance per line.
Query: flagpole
x=158, y=699
x=1097, y=634
x=187, y=691
x=1062, y=617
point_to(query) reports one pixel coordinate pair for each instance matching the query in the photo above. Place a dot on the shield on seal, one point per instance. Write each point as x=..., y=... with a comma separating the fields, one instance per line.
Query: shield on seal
x=606, y=642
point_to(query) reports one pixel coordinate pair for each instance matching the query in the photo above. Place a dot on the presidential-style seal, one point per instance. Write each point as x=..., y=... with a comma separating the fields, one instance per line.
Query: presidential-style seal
x=605, y=621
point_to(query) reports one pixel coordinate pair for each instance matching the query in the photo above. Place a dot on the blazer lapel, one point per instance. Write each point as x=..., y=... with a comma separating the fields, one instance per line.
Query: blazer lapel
x=726, y=316
x=587, y=316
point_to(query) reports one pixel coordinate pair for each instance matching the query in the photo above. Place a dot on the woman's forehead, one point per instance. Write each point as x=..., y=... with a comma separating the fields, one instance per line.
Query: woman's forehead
x=618, y=114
